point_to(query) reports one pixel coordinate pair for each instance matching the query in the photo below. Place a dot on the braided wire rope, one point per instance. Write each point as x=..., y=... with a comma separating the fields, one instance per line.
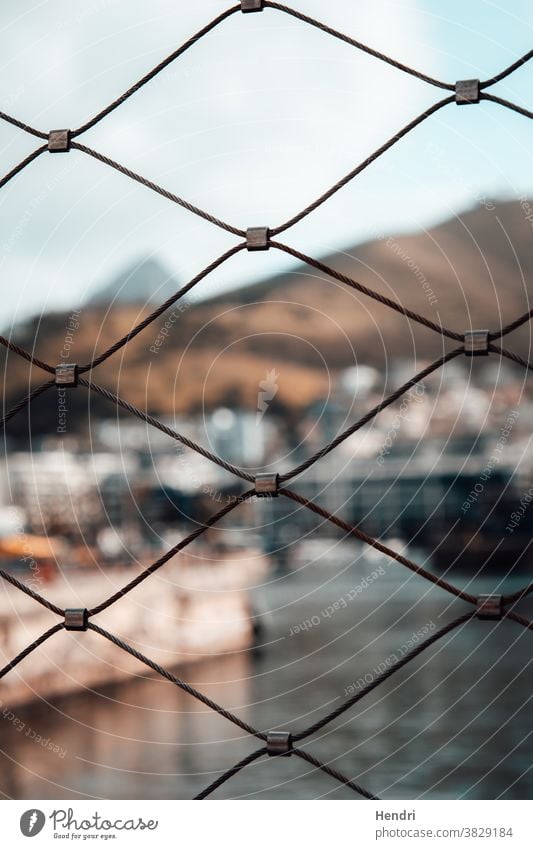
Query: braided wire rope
x=508, y=601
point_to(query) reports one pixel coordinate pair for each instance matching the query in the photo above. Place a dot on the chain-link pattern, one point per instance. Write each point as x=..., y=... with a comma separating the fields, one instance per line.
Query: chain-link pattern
x=483, y=607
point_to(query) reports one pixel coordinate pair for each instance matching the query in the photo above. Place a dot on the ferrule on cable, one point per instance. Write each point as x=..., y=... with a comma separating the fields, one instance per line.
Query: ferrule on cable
x=466, y=91
x=58, y=141
x=257, y=239
x=477, y=343
x=251, y=5
x=489, y=607
x=76, y=619
x=66, y=374
x=267, y=484
x=278, y=743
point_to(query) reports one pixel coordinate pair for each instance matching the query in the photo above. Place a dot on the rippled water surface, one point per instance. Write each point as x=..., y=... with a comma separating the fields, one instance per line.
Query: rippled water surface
x=456, y=722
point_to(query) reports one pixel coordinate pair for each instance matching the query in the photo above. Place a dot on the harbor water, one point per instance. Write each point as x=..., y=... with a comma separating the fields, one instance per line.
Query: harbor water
x=456, y=722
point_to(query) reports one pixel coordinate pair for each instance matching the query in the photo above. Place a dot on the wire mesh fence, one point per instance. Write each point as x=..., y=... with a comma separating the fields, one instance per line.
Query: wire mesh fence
x=470, y=342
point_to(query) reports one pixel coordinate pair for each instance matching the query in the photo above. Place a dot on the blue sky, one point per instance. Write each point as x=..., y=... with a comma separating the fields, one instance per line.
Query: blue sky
x=252, y=124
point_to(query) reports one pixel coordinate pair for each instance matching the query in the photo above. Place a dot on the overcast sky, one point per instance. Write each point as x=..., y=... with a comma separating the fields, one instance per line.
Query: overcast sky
x=252, y=124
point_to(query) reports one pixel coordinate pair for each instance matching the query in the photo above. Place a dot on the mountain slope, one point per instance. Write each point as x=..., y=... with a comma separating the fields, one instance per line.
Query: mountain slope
x=476, y=270
x=143, y=282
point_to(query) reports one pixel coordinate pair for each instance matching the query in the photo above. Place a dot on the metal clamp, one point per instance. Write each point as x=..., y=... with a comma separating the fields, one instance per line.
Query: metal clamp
x=76, y=619
x=278, y=743
x=257, y=239
x=66, y=374
x=466, y=91
x=251, y=5
x=489, y=607
x=477, y=343
x=58, y=141
x=266, y=484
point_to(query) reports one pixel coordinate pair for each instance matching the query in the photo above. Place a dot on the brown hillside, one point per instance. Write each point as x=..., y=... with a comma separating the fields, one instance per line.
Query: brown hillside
x=474, y=270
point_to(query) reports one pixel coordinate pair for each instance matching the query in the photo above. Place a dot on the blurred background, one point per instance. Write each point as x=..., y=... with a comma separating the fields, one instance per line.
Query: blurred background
x=273, y=613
